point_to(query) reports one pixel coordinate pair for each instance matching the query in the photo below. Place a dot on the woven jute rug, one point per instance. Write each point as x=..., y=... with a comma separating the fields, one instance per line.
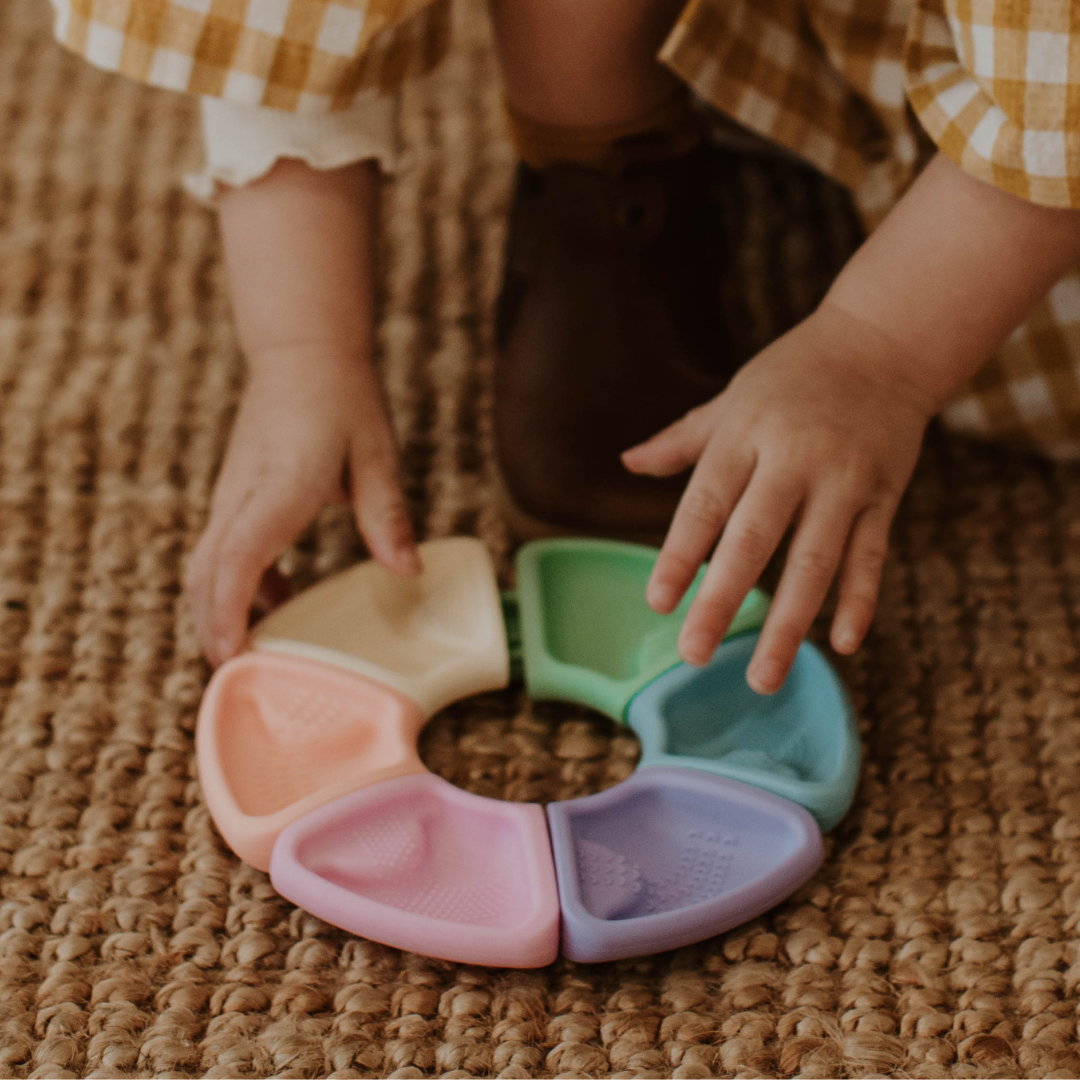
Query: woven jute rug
x=939, y=938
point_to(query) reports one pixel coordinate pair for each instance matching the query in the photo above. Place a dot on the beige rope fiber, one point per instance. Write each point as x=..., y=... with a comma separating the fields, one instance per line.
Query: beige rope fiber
x=939, y=939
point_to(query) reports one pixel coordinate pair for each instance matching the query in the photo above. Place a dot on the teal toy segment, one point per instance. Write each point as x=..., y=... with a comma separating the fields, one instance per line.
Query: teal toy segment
x=800, y=743
x=587, y=634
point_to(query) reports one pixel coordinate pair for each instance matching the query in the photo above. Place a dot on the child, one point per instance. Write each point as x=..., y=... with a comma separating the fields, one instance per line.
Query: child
x=975, y=232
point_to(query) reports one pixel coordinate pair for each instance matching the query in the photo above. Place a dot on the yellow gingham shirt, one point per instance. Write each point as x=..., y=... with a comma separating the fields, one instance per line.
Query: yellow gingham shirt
x=863, y=89
x=298, y=55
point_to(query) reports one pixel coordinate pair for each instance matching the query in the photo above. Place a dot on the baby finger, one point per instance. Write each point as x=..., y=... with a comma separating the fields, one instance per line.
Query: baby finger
x=752, y=534
x=811, y=565
x=860, y=580
x=715, y=487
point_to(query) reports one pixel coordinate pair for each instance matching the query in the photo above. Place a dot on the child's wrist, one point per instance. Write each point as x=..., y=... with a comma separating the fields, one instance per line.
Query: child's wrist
x=307, y=358
x=856, y=339
x=953, y=269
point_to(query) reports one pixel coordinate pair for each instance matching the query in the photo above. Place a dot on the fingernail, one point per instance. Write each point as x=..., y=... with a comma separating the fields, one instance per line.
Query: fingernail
x=765, y=676
x=845, y=641
x=660, y=597
x=696, y=650
x=403, y=556
x=224, y=649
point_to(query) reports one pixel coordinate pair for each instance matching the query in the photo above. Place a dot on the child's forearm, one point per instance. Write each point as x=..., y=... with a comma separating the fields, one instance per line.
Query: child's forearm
x=311, y=428
x=952, y=271
x=299, y=246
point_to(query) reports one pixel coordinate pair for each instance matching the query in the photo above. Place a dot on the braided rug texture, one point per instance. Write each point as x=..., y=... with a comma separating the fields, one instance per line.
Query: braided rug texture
x=938, y=940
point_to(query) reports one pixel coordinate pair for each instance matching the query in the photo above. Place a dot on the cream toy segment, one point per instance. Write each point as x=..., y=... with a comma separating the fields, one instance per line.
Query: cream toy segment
x=436, y=638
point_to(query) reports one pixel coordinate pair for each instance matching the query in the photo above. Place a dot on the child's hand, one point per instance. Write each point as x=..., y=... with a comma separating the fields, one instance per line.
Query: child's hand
x=312, y=428
x=310, y=431
x=818, y=432
x=822, y=429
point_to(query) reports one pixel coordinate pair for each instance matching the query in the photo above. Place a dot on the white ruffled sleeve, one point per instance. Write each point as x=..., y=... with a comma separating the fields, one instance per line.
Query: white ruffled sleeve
x=242, y=142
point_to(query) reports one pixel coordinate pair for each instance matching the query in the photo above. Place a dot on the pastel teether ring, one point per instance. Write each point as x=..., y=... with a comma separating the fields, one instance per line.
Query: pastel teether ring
x=587, y=634
x=311, y=738
x=435, y=638
x=672, y=856
x=419, y=864
x=278, y=736
x=800, y=743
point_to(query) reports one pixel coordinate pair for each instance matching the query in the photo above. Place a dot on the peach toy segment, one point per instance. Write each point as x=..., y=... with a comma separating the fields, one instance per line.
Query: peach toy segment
x=436, y=638
x=279, y=735
x=419, y=864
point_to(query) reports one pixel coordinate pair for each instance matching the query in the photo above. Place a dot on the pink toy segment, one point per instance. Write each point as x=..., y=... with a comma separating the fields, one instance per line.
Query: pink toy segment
x=279, y=736
x=422, y=865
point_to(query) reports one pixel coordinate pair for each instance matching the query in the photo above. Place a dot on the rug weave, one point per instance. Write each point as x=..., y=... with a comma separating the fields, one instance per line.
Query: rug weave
x=939, y=939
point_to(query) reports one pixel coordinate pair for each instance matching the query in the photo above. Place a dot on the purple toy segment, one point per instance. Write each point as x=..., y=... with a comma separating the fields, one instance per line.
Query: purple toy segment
x=610, y=883
x=419, y=864
x=672, y=856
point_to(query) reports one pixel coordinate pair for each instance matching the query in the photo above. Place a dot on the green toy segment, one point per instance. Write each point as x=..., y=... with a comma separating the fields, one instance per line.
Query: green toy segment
x=512, y=625
x=587, y=634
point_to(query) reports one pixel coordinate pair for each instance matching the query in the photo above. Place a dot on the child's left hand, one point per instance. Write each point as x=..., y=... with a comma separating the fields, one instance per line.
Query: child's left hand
x=820, y=432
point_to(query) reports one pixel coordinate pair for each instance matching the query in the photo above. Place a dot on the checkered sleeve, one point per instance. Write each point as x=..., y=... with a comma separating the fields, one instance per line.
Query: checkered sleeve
x=307, y=56
x=996, y=84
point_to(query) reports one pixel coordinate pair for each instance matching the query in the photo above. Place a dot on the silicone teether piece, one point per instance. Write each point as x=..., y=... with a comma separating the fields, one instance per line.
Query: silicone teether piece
x=800, y=743
x=672, y=856
x=587, y=634
x=610, y=882
x=759, y=761
x=278, y=736
x=436, y=638
x=422, y=865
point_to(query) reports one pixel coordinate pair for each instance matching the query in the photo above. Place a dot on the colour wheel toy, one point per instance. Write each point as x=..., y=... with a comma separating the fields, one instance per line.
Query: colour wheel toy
x=307, y=755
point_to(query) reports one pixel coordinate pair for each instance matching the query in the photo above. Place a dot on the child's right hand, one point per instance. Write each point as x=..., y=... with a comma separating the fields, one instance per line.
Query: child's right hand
x=311, y=431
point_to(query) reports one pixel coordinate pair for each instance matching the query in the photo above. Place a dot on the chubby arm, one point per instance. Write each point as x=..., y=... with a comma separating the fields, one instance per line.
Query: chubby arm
x=953, y=270
x=312, y=427
x=821, y=430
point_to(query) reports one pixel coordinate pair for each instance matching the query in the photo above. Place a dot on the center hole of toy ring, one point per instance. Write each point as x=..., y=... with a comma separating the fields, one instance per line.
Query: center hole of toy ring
x=501, y=745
